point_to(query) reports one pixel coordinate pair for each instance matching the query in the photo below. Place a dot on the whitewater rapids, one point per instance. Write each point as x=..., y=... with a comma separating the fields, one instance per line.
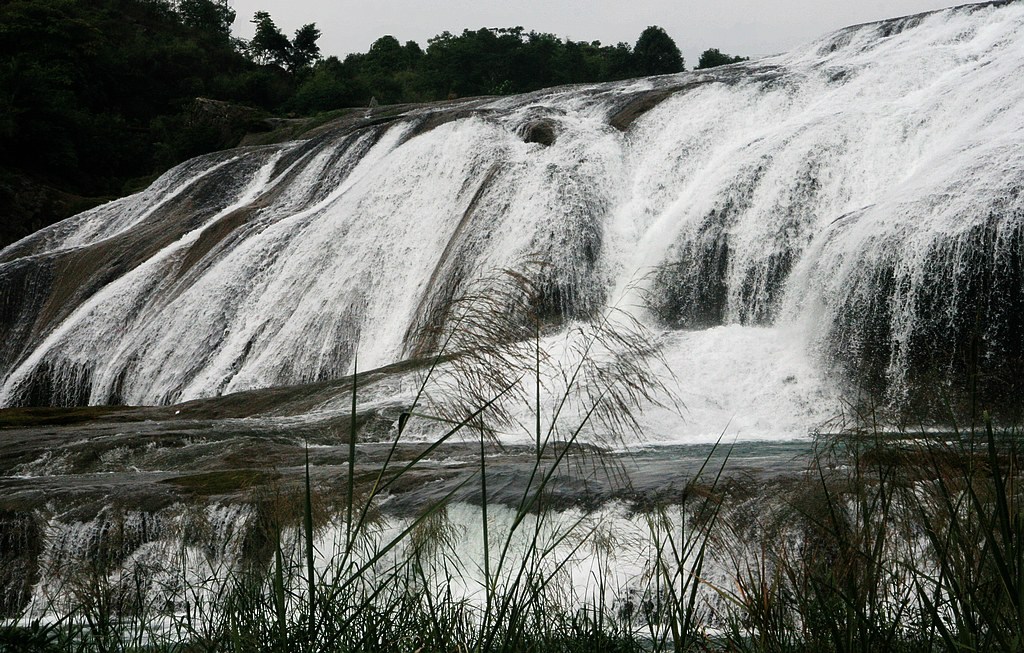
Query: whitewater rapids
x=844, y=218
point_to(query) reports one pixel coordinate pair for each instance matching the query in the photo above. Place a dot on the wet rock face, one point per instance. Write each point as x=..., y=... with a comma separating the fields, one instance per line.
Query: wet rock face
x=693, y=293
x=21, y=542
x=975, y=333
x=539, y=131
x=637, y=106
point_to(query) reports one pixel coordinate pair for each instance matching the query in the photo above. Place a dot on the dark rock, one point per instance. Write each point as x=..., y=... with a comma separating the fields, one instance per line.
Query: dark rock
x=539, y=131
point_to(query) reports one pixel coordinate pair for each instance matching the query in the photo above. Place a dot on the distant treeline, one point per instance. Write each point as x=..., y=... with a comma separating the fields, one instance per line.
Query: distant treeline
x=481, y=62
x=484, y=62
x=97, y=96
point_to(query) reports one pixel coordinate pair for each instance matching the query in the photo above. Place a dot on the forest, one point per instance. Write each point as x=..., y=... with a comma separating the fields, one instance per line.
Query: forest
x=100, y=96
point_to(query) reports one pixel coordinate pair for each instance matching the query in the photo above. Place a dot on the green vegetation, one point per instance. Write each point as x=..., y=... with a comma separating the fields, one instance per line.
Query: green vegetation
x=97, y=97
x=656, y=53
x=270, y=46
x=713, y=57
x=481, y=62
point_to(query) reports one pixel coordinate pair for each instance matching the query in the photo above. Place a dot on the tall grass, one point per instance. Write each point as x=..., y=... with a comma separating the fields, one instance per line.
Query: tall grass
x=887, y=541
x=894, y=542
x=403, y=587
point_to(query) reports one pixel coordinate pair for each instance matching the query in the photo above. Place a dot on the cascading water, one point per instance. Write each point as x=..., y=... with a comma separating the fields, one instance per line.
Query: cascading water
x=849, y=214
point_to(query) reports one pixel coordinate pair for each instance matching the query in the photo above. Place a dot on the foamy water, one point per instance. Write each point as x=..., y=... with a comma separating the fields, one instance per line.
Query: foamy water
x=771, y=211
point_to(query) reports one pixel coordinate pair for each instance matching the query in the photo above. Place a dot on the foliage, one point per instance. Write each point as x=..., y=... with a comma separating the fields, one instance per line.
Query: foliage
x=329, y=85
x=714, y=57
x=97, y=94
x=497, y=61
x=656, y=53
x=305, y=50
x=269, y=45
x=207, y=16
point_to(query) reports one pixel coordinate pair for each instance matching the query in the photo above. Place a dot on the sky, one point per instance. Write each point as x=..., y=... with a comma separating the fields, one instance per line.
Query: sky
x=746, y=27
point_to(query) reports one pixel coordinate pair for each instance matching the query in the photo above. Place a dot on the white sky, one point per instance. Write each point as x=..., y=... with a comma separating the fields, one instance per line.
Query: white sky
x=746, y=27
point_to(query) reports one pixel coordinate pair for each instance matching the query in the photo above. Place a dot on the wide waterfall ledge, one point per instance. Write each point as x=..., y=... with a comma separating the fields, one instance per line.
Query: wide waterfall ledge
x=840, y=225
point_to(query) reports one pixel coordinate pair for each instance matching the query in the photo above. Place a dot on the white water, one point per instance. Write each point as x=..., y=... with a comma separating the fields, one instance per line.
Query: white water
x=859, y=156
x=178, y=565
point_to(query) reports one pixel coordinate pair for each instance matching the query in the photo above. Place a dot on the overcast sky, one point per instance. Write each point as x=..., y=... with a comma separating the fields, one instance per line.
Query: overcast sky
x=746, y=27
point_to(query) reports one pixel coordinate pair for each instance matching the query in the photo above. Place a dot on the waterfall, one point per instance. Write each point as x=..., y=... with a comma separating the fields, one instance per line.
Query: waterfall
x=843, y=218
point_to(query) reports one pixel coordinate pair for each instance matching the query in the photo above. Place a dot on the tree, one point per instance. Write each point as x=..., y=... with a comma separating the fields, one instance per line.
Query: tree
x=329, y=86
x=386, y=55
x=304, y=49
x=713, y=57
x=95, y=94
x=207, y=15
x=656, y=53
x=413, y=52
x=269, y=45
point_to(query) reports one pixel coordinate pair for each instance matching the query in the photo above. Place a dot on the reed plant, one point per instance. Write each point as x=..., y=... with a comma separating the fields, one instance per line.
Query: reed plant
x=888, y=541
x=404, y=588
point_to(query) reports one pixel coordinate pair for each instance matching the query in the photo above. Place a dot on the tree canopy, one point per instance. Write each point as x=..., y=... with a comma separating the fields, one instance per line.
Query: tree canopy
x=269, y=44
x=713, y=57
x=304, y=48
x=487, y=61
x=207, y=16
x=95, y=97
x=656, y=53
